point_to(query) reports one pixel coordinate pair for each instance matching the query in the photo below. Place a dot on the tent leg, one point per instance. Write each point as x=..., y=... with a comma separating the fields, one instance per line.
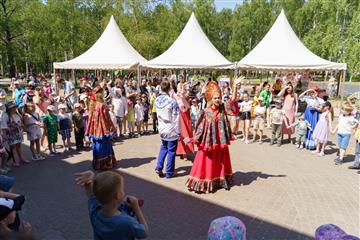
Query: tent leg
x=341, y=86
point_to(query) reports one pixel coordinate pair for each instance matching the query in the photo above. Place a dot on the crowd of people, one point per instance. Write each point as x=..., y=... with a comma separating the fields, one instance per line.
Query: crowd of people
x=185, y=113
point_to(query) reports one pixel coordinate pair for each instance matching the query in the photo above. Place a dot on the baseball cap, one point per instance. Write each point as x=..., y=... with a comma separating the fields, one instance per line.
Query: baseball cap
x=9, y=205
x=76, y=105
x=16, y=82
x=261, y=99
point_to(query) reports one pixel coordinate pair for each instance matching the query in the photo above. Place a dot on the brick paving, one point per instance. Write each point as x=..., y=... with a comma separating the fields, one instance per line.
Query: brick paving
x=279, y=193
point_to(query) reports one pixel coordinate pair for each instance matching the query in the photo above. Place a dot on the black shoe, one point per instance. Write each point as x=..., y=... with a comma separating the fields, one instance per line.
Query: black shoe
x=271, y=142
x=159, y=173
x=226, y=186
x=354, y=167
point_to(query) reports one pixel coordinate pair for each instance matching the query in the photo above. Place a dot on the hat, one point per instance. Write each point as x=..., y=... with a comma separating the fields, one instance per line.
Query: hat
x=227, y=228
x=16, y=82
x=10, y=106
x=9, y=205
x=211, y=89
x=83, y=97
x=278, y=101
x=51, y=108
x=88, y=86
x=62, y=106
x=76, y=105
x=261, y=99
x=31, y=83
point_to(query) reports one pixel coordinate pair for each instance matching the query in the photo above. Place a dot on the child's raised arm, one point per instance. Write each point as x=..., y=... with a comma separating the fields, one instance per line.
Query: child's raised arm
x=85, y=179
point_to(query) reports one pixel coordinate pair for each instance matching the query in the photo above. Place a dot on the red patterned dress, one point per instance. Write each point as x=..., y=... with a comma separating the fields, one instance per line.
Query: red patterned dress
x=99, y=129
x=186, y=130
x=212, y=166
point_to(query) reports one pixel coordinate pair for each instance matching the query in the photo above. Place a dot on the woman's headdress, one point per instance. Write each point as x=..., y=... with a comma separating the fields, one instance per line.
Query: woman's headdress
x=211, y=89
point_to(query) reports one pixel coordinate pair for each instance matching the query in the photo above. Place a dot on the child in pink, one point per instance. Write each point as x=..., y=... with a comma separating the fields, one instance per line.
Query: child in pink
x=322, y=129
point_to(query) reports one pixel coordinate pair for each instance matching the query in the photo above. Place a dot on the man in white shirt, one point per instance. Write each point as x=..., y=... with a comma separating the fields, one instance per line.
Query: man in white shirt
x=168, y=115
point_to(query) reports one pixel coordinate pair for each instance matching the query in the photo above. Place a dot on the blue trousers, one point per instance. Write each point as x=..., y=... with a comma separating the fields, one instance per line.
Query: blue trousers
x=167, y=148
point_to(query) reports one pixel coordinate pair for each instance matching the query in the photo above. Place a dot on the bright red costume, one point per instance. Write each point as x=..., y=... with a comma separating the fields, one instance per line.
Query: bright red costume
x=212, y=166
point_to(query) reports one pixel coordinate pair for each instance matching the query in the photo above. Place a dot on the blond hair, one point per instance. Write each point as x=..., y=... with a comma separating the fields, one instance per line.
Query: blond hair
x=106, y=186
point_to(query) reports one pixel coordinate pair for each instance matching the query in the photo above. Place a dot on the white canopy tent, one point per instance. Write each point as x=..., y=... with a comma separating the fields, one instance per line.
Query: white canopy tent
x=111, y=51
x=191, y=50
x=281, y=49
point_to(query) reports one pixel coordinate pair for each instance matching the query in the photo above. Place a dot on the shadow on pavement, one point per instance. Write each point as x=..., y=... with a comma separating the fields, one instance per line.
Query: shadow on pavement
x=57, y=209
x=246, y=178
x=133, y=162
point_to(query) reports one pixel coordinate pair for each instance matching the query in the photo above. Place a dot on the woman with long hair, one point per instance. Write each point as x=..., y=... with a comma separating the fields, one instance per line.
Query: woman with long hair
x=100, y=129
x=291, y=105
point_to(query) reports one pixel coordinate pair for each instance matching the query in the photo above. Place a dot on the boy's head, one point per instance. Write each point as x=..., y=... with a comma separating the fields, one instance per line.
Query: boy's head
x=108, y=187
x=165, y=86
x=111, y=107
x=278, y=103
x=51, y=109
x=261, y=101
x=138, y=99
x=301, y=117
x=77, y=107
x=62, y=108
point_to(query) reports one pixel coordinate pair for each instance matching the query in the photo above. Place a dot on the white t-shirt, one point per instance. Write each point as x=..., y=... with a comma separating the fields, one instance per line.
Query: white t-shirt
x=277, y=115
x=260, y=111
x=139, y=112
x=346, y=124
x=69, y=87
x=113, y=118
x=245, y=106
x=120, y=106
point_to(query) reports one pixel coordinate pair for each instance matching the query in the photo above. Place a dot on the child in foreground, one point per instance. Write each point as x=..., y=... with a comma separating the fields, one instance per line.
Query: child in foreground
x=106, y=199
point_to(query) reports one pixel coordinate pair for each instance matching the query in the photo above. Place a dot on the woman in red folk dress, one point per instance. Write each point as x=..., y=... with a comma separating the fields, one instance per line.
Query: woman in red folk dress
x=212, y=166
x=99, y=130
x=185, y=120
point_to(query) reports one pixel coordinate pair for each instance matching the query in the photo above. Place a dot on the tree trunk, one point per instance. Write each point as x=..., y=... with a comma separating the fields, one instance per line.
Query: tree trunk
x=7, y=39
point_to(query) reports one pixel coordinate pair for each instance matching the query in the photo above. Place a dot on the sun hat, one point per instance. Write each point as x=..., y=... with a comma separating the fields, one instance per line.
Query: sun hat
x=227, y=228
x=10, y=106
x=62, y=106
x=9, y=205
x=51, y=108
x=83, y=97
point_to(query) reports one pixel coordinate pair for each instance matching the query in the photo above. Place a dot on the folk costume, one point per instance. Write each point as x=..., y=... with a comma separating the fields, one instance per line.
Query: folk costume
x=212, y=166
x=100, y=130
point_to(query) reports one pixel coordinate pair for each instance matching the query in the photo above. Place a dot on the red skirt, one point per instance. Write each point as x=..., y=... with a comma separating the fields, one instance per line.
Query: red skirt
x=186, y=132
x=211, y=170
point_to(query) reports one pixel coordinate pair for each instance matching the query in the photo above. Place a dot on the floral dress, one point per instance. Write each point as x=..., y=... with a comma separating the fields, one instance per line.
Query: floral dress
x=13, y=129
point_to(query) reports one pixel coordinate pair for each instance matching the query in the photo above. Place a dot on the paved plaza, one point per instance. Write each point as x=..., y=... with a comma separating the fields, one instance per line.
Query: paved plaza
x=279, y=193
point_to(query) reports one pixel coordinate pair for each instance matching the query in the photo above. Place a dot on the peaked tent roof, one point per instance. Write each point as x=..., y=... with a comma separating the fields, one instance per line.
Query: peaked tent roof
x=110, y=51
x=282, y=49
x=191, y=50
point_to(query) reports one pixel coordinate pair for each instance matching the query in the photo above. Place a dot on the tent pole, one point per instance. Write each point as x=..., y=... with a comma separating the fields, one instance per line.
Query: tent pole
x=343, y=75
x=138, y=74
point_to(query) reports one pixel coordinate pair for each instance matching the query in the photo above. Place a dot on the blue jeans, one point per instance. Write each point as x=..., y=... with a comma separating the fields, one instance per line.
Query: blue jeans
x=343, y=140
x=357, y=154
x=167, y=148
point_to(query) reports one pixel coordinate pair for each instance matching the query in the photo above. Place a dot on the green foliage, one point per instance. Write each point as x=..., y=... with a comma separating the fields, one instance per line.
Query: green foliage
x=40, y=32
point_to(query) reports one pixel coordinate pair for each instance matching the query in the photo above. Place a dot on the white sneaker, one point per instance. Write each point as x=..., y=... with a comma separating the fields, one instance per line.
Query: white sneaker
x=35, y=158
x=314, y=152
x=41, y=157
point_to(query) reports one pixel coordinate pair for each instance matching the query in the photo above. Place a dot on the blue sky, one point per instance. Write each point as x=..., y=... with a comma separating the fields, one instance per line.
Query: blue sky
x=220, y=4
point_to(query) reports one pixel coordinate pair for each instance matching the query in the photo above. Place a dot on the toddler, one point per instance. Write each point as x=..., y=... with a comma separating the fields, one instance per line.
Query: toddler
x=78, y=122
x=65, y=127
x=109, y=207
x=276, y=120
x=301, y=126
x=259, y=120
x=322, y=128
x=139, y=115
x=51, y=128
x=32, y=125
x=131, y=118
x=346, y=124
